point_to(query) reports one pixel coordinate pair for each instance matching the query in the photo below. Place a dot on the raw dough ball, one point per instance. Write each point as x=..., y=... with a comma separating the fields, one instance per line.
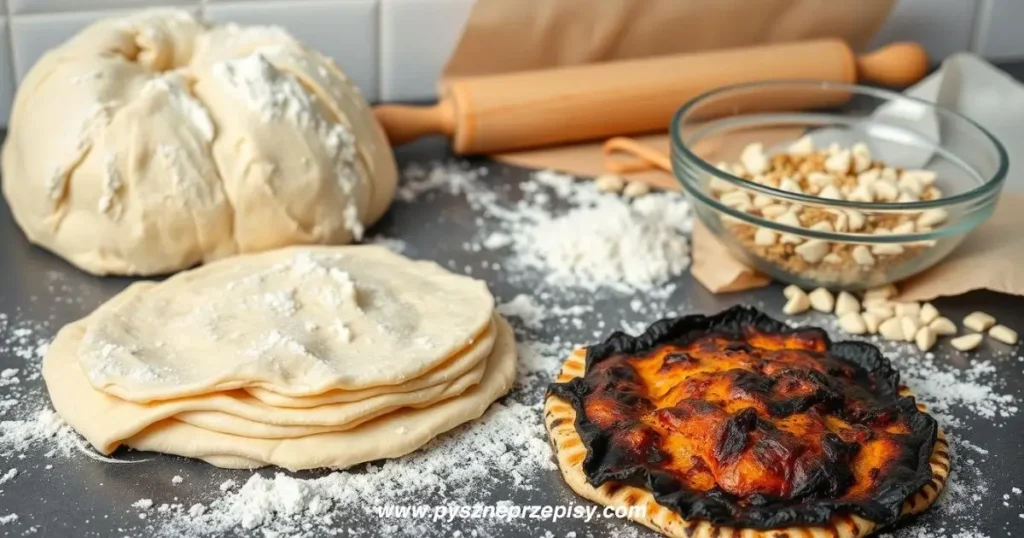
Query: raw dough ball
x=151, y=143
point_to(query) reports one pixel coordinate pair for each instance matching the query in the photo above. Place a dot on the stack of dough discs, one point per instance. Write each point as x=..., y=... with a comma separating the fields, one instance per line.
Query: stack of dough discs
x=303, y=357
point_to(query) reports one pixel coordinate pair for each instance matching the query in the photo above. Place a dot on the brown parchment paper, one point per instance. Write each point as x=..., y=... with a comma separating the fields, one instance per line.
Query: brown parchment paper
x=990, y=258
x=514, y=35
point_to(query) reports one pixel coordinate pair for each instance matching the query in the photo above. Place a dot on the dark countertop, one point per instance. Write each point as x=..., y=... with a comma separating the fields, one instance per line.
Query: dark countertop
x=83, y=497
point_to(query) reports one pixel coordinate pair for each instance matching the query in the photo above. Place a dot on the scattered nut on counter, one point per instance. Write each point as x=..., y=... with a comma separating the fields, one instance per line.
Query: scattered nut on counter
x=876, y=313
x=1004, y=334
x=942, y=326
x=925, y=338
x=928, y=313
x=828, y=174
x=822, y=300
x=610, y=183
x=979, y=321
x=636, y=189
x=966, y=342
x=846, y=303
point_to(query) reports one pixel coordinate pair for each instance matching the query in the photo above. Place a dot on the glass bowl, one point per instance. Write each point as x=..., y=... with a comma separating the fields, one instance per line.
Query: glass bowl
x=773, y=207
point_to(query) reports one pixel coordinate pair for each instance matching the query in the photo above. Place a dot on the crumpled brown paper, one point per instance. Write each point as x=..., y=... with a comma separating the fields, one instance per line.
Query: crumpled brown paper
x=501, y=36
x=715, y=268
x=990, y=258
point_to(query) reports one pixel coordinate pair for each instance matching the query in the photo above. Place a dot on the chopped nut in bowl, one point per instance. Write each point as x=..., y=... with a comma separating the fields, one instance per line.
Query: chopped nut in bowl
x=868, y=187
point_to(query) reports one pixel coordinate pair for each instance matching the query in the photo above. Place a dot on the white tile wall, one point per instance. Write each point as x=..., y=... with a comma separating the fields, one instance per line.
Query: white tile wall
x=6, y=73
x=417, y=37
x=18, y=7
x=395, y=49
x=345, y=30
x=1000, y=29
x=942, y=26
x=33, y=35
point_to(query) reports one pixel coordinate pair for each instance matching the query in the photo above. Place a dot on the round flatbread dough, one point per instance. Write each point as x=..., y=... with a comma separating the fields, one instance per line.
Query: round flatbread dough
x=234, y=412
x=298, y=321
x=463, y=361
x=149, y=143
x=92, y=413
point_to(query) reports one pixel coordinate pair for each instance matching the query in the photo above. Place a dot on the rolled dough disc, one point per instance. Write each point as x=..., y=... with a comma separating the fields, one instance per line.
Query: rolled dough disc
x=299, y=322
x=390, y=436
x=453, y=368
x=105, y=421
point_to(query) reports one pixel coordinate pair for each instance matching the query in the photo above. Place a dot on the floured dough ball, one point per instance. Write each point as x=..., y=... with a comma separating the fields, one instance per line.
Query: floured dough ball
x=151, y=143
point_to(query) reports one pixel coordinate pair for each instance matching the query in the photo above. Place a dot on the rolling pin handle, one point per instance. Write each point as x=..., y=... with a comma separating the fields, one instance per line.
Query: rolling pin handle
x=897, y=64
x=404, y=123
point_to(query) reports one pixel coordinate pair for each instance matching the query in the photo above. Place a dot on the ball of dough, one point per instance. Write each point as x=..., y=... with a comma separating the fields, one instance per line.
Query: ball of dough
x=150, y=143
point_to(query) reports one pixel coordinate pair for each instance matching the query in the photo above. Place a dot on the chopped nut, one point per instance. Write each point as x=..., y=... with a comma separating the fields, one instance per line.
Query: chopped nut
x=735, y=199
x=830, y=192
x=813, y=250
x=612, y=183
x=852, y=323
x=924, y=339
x=908, y=309
x=765, y=237
x=887, y=249
x=821, y=226
x=966, y=342
x=839, y=162
x=909, y=326
x=821, y=179
x=904, y=228
x=883, y=311
x=846, y=303
x=797, y=303
x=857, y=220
x=867, y=177
x=979, y=321
x=885, y=190
x=762, y=201
x=942, y=326
x=871, y=321
x=924, y=177
x=891, y=329
x=1004, y=334
x=911, y=185
x=931, y=217
x=803, y=146
x=887, y=291
x=842, y=221
x=832, y=258
x=907, y=197
x=889, y=173
x=861, y=157
x=822, y=300
x=863, y=193
x=636, y=189
x=788, y=185
x=789, y=218
x=928, y=313
x=791, y=290
x=754, y=159
x=774, y=211
x=862, y=255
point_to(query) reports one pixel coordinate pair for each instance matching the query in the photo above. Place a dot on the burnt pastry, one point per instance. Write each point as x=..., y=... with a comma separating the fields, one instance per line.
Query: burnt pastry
x=738, y=425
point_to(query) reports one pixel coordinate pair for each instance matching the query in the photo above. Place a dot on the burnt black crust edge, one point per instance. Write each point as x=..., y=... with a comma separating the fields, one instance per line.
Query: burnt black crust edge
x=718, y=506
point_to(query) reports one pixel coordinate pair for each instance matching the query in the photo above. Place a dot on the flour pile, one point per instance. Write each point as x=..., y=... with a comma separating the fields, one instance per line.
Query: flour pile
x=568, y=230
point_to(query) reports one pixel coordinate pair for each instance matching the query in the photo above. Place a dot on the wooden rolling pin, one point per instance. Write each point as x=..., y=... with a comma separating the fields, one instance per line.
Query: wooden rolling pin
x=497, y=113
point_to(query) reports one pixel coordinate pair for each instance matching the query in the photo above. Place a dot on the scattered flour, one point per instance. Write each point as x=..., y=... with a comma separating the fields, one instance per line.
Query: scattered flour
x=572, y=233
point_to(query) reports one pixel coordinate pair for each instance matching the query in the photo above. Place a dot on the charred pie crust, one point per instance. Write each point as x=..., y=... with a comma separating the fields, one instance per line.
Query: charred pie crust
x=594, y=465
